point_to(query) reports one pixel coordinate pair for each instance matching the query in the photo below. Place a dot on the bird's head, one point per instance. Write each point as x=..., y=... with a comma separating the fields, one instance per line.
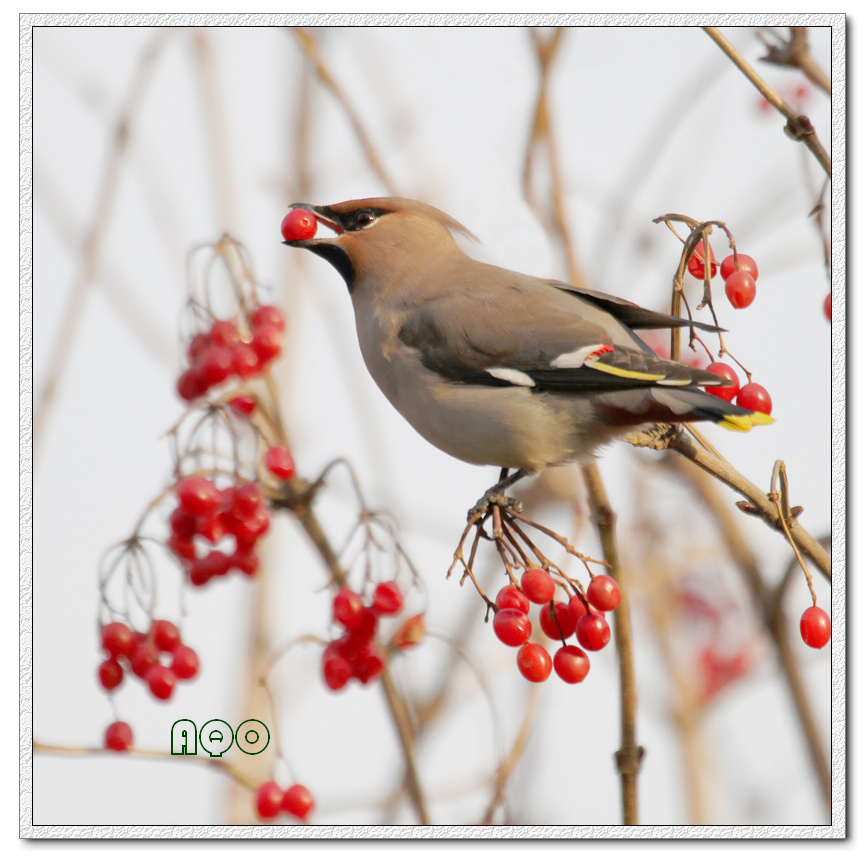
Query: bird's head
x=381, y=237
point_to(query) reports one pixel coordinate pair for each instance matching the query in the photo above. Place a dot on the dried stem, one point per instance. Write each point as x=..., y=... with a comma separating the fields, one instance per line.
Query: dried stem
x=629, y=756
x=509, y=764
x=91, y=252
x=662, y=437
x=798, y=127
x=310, y=48
x=770, y=605
x=797, y=54
x=218, y=765
x=541, y=133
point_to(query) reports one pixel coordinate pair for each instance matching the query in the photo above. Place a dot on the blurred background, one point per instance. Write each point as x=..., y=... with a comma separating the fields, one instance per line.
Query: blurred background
x=149, y=142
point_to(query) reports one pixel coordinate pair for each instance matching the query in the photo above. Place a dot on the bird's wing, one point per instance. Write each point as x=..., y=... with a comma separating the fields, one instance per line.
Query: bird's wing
x=536, y=339
x=628, y=313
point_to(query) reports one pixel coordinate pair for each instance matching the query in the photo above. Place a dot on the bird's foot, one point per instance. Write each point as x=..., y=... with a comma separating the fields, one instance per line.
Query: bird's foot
x=491, y=499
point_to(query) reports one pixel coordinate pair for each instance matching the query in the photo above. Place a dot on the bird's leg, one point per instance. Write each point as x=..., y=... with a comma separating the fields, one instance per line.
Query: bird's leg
x=495, y=494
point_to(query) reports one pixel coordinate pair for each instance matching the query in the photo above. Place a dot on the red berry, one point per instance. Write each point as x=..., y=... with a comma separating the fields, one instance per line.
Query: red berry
x=185, y=664
x=245, y=500
x=746, y=265
x=118, y=639
x=534, y=662
x=245, y=560
x=215, y=366
x=212, y=528
x=197, y=496
x=268, y=800
x=118, y=736
x=224, y=334
x=571, y=664
x=245, y=361
x=755, y=397
x=387, y=599
x=182, y=524
x=697, y=260
x=604, y=593
x=336, y=669
x=512, y=627
x=199, y=572
x=347, y=608
x=190, y=385
x=368, y=665
x=161, y=681
x=298, y=801
x=815, y=627
x=143, y=659
x=243, y=404
x=166, y=636
x=559, y=625
x=538, y=586
x=511, y=598
x=741, y=289
x=577, y=608
x=298, y=224
x=110, y=674
x=197, y=346
x=593, y=632
x=279, y=462
x=266, y=343
x=827, y=306
x=363, y=630
x=248, y=530
x=724, y=392
x=183, y=548
x=268, y=316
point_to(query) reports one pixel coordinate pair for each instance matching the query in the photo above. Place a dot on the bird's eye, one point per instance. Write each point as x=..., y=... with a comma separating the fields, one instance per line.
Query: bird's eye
x=363, y=218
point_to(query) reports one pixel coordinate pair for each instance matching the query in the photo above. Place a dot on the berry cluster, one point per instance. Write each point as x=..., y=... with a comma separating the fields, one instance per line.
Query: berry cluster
x=558, y=620
x=815, y=627
x=355, y=655
x=224, y=352
x=751, y=396
x=146, y=656
x=207, y=514
x=271, y=799
x=739, y=273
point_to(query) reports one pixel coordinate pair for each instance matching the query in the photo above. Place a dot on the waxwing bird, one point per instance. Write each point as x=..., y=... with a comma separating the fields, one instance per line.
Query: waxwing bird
x=495, y=367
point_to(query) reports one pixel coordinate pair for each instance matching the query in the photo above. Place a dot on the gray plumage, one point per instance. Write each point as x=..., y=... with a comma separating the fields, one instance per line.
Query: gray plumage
x=495, y=367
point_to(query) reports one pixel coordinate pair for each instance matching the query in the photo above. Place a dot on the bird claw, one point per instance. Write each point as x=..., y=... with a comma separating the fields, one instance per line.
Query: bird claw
x=494, y=500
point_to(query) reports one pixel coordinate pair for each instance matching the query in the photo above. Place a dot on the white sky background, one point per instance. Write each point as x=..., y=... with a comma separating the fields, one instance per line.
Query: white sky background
x=448, y=110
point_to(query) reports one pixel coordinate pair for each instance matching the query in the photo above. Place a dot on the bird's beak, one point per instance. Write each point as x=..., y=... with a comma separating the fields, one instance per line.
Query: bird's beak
x=325, y=217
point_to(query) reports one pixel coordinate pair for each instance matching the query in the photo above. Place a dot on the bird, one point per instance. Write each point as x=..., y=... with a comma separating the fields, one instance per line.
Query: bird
x=496, y=367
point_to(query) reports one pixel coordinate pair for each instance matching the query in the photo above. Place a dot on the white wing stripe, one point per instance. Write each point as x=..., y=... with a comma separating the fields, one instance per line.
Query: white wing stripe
x=514, y=376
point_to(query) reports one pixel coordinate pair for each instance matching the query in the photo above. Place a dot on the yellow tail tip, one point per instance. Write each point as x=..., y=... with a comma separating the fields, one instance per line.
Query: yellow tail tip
x=744, y=422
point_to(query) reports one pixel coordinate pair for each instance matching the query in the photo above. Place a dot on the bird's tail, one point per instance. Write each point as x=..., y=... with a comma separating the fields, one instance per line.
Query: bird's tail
x=678, y=405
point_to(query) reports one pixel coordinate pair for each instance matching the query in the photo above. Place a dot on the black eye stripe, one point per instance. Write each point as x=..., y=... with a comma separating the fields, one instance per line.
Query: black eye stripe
x=362, y=218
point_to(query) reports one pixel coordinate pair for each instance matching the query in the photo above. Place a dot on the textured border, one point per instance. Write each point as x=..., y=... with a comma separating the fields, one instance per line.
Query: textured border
x=839, y=465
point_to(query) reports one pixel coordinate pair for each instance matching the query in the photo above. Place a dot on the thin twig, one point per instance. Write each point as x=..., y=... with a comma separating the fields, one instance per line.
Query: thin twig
x=545, y=51
x=219, y=765
x=91, y=252
x=310, y=48
x=798, y=127
x=796, y=53
x=629, y=755
x=770, y=605
x=662, y=437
